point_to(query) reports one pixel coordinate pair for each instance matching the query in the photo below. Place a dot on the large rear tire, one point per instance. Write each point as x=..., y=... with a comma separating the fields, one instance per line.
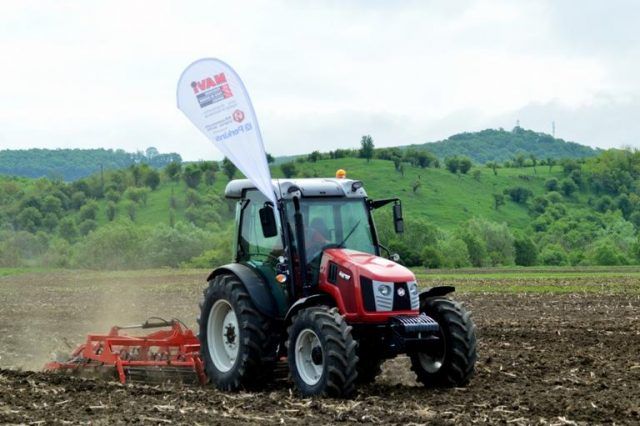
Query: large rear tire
x=322, y=353
x=237, y=343
x=452, y=364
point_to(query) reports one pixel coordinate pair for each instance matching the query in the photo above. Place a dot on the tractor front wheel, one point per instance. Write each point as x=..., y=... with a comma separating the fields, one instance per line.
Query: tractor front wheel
x=237, y=343
x=452, y=363
x=322, y=353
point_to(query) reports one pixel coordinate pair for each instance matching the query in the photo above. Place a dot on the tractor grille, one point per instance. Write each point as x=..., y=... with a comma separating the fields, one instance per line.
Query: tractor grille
x=381, y=296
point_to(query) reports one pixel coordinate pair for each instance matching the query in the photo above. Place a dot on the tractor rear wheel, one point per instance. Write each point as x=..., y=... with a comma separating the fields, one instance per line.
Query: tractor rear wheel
x=237, y=343
x=452, y=364
x=322, y=353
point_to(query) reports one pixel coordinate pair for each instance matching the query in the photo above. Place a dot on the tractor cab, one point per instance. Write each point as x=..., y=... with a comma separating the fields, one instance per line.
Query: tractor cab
x=321, y=232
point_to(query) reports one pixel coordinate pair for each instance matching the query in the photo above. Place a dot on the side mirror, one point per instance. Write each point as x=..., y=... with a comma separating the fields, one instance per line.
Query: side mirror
x=398, y=222
x=268, y=222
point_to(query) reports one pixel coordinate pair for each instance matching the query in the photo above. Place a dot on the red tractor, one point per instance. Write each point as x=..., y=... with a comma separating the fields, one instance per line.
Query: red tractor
x=309, y=283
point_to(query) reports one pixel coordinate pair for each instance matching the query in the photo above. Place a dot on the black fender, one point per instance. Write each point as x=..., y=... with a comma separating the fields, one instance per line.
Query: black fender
x=255, y=285
x=436, y=291
x=305, y=302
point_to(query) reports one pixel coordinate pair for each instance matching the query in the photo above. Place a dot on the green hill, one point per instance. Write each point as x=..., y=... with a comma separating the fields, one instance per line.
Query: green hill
x=576, y=212
x=501, y=145
x=72, y=164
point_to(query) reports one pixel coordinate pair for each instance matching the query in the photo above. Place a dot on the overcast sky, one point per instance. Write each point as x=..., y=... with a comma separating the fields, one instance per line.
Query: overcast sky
x=88, y=74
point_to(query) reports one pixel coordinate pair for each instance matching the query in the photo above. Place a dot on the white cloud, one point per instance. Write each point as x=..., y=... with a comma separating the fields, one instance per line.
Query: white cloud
x=320, y=74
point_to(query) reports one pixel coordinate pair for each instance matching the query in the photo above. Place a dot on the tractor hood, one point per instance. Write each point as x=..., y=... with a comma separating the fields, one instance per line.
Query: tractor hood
x=372, y=266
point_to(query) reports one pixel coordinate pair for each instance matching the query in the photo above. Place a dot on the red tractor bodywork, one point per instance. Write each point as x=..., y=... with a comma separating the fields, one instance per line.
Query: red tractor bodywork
x=341, y=276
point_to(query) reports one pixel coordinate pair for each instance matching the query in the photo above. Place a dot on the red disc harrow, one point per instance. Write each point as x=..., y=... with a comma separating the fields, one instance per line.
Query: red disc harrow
x=164, y=353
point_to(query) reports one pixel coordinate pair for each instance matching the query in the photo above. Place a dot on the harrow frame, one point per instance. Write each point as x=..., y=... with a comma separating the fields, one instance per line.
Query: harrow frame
x=176, y=347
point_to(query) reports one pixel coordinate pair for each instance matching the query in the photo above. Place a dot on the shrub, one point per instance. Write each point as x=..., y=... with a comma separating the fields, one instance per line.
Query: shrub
x=172, y=246
x=568, y=187
x=89, y=211
x=432, y=258
x=87, y=226
x=288, y=169
x=551, y=184
x=67, y=229
x=553, y=255
x=606, y=253
x=113, y=246
x=454, y=253
x=526, y=251
x=111, y=211
x=518, y=194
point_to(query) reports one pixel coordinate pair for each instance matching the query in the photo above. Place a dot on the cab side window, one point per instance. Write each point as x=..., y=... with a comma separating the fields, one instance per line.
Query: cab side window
x=253, y=246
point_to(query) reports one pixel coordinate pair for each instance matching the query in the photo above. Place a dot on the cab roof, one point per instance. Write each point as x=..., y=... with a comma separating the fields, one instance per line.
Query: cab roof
x=315, y=187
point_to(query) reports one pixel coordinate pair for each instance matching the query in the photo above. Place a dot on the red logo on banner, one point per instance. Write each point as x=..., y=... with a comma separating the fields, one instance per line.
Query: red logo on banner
x=209, y=83
x=238, y=116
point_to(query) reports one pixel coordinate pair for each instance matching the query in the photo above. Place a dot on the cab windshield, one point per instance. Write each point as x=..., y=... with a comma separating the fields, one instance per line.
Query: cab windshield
x=334, y=222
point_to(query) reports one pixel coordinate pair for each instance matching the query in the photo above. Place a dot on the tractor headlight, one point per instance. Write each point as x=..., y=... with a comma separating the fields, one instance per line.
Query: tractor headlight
x=413, y=288
x=384, y=290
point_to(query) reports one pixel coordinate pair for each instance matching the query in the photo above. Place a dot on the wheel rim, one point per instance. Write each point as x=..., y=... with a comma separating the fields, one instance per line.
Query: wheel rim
x=432, y=362
x=309, y=357
x=223, y=335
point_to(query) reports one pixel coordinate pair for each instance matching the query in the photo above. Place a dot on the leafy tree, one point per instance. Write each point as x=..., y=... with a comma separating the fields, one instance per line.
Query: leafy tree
x=228, y=168
x=173, y=170
x=192, y=198
x=432, y=258
x=50, y=221
x=454, y=253
x=465, y=165
x=152, y=179
x=131, y=209
x=209, y=170
x=78, y=199
x=624, y=205
x=498, y=200
x=111, y=211
x=493, y=165
x=534, y=162
x=568, y=187
x=52, y=205
x=87, y=226
x=113, y=195
x=29, y=219
x=89, y=211
x=603, y=204
x=314, y=156
x=476, y=174
x=452, y=164
x=526, y=251
x=606, y=253
x=288, y=169
x=192, y=175
x=551, y=184
x=518, y=194
x=366, y=147
x=136, y=173
x=635, y=219
x=553, y=255
x=67, y=229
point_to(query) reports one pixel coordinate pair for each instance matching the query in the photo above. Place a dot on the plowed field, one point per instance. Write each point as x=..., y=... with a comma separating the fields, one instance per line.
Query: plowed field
x=562, y=349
